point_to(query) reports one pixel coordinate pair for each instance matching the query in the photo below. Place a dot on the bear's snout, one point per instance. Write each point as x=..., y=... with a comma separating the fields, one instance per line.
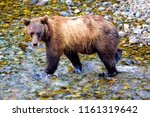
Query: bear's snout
x=35, y=40
x=35, y=44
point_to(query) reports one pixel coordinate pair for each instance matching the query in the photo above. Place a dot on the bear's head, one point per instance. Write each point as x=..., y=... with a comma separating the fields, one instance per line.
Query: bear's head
x=35, y=28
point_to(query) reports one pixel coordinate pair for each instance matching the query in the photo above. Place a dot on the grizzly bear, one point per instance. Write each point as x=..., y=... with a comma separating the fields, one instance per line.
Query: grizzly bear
x=72, y=35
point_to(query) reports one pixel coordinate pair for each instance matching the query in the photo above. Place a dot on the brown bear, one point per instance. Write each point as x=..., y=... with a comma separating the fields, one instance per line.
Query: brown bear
x=72, y=35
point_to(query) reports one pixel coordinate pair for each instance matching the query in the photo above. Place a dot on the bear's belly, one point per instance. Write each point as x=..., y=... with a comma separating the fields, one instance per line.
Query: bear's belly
x=84, y=50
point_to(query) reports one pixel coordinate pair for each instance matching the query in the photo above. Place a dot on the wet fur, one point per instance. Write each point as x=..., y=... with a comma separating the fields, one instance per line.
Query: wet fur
x=86, y=35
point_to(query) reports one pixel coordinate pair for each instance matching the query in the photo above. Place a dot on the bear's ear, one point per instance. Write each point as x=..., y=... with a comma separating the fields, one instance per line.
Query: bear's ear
x=44, y=20
x=25, y=21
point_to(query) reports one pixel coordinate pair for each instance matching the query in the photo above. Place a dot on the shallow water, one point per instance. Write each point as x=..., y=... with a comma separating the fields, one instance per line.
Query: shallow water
x=32, y=83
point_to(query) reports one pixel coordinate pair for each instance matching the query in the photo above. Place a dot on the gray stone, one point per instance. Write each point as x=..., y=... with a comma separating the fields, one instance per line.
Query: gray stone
x=138, y=14
x=106, y=3
x=137, y=31
x=97, y=4
x=79, y=4
x=126, y=26
x=127, y=13
x=62, y=1
x=145, y=33
x=42, y=2
x=143, y=94
x=122, y=33
x=101, y=9
x=148, y=20
x=88, y=10
x=127, y=62
x=117, y=13
x=64, y=13
x=108, y=17
x=133, y=40
x=130, y=18
x=70, y=9
x=90, y=1
x=70, y=3
x=34, y=1
x=77, y=11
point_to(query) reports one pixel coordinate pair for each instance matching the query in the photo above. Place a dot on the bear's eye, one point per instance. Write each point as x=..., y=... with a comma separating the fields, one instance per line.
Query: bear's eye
x=31, y=34
x=38, y=34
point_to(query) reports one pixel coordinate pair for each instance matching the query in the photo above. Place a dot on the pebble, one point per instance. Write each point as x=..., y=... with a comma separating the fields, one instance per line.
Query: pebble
x=62, y=1
x=138, y=14
x=117, y=13
x=128, y=62
x=106, y=4
x=137, y=31
x=145, y=26
x=148, y=20
x=101, y=9
x=77, y=11
x=79, y=4
x=108, y=17
x=133, y=40
x=126, y=14
x=90, y=1
x=97, y=4
x=145, y=33
x=143, y=94
x=88, y=10
x=64, y=13
x=42, y=2
x=70, y=3
x=122, y=33
x=126, y=26
x=34, y=1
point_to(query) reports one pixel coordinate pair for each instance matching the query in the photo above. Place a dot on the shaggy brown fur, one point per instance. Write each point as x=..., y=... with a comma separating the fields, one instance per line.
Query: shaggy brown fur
x=69, y=35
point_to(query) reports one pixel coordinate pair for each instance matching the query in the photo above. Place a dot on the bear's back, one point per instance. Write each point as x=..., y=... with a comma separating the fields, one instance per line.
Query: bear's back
x=80, y=32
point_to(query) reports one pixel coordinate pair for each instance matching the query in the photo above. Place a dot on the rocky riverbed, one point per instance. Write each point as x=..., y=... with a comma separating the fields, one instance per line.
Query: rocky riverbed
x=22, y=66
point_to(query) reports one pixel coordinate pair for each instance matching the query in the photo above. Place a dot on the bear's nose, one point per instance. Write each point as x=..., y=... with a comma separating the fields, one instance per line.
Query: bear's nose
x=35, y=44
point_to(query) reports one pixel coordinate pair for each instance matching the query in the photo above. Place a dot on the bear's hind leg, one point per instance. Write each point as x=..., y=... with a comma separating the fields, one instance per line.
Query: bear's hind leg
x=74, y=58
x=110, y=64
x=118, y=55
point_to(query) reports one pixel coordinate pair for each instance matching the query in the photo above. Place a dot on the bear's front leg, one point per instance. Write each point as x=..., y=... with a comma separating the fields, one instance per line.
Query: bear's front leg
x=74, y=58
x=52, y=63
